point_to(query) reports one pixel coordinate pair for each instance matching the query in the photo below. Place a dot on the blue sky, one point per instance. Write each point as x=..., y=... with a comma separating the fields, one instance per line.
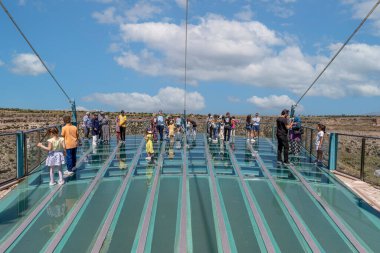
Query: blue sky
x=243, y=56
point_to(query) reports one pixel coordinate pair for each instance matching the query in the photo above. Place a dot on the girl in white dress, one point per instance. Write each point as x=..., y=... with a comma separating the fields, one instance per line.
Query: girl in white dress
x=56, y=156
x=319, y=142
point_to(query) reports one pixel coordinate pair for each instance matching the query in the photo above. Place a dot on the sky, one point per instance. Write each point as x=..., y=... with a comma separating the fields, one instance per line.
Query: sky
x=243, y=56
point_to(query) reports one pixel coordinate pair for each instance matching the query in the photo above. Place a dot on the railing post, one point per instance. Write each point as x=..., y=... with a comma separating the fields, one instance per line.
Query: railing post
x=311, y=143
x=20, y=144
x=333, y=151
x=362, y=160
x=73, y=113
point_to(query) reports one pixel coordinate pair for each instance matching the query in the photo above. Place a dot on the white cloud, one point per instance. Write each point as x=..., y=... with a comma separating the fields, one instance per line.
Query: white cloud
x=242, y=52
x=1, y=63
x=181, y=3
x=280, y=8
x=367, y=90
x=360, y=9
x=108, y=16
x=246, y=14
x=82, y=108
x=27, y=64
x=218, y=48
x=272, y=102
x=142, y=11
x=169, y=99
x=118, y=14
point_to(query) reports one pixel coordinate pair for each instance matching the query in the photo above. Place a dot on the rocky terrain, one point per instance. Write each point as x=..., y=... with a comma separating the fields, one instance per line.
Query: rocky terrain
x=12, y=120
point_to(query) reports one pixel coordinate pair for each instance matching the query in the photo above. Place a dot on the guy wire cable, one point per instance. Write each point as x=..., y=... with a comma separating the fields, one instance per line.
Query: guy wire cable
x=186, y=22
x=35, y=52
x=340, y=49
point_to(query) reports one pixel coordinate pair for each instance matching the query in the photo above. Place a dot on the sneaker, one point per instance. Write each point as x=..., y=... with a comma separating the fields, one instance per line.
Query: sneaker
x=61, y=182
x=52, y=183
x=68, y=173
x=279, y=162
x=288, y=163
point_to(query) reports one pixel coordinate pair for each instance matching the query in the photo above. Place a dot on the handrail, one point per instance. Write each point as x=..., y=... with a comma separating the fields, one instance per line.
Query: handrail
x=359, y=136
x=7, y=134
x=41, y=128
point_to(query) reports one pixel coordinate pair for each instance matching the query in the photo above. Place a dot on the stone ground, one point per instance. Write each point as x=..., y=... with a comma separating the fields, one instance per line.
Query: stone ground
x=367, y=192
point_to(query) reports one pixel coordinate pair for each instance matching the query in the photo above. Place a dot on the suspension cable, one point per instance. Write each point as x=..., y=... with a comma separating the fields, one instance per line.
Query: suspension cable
x=185, y=91
x=35, y=52
x=340, y=49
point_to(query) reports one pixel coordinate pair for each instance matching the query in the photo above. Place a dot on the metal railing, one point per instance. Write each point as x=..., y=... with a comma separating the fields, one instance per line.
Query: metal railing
x=8, y=157
x=355, y=155
x=33, y=155
x=359, y=156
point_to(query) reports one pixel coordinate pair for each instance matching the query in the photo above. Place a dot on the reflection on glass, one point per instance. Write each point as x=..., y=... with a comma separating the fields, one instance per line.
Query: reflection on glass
x=122, y=159
x=149, y=173
x=171, y=153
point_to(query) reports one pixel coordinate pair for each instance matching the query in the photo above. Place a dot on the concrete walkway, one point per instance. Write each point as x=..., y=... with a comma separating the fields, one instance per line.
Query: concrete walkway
x=367, y=192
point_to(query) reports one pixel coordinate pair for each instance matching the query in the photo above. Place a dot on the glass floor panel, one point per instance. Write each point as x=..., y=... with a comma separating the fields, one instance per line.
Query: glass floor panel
x=124, y=187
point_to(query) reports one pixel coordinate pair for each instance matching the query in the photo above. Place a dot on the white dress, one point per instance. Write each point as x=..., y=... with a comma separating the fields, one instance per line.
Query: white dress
x=55, y=157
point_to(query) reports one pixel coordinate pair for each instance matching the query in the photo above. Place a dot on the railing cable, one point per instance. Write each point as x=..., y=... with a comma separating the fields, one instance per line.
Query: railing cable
x=338, y=52
x=185, y=91
x=35, y=52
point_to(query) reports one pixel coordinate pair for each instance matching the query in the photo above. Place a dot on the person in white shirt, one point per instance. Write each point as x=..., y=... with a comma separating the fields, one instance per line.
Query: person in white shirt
x=319, y=142
x=256, y=125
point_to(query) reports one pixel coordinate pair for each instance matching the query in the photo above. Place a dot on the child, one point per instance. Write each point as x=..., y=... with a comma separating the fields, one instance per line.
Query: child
x=149, y=145
x=71, y=136
x=171, y=128
x=234, y=123
x=319, y=142
x=56, y=148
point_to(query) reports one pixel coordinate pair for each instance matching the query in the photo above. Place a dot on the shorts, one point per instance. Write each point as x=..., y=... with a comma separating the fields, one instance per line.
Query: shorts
x=256, y=128
x=248, y=127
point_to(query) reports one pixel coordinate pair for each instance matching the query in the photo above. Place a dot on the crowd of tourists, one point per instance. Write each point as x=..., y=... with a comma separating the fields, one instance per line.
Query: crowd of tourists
x=98, y=125
x=220, y=128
